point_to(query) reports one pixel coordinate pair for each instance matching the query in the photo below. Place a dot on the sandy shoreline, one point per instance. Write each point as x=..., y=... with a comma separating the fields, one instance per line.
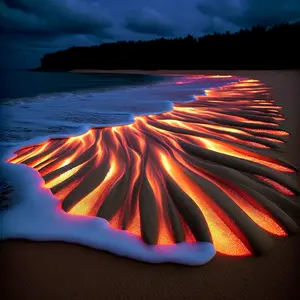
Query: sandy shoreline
x=64, y=271
x=285, y=90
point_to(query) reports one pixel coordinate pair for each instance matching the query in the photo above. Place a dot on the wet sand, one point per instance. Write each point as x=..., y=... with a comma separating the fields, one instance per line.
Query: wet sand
x=62, y=271
x=286, y=92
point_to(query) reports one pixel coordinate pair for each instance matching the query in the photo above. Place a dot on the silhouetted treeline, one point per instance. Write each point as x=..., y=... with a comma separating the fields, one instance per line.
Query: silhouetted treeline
x=257, y=48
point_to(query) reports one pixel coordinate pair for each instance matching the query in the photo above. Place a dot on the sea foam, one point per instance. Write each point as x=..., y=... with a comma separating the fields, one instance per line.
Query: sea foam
x=35, y=214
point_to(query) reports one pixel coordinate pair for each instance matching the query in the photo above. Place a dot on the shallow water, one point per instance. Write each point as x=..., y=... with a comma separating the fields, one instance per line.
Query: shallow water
x=65, y=114
x=22, y=83
x=107, y=100
x=41, y=213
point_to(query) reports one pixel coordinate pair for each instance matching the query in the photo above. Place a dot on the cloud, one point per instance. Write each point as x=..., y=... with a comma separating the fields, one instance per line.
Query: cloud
x=50, y=18
x=246, y=13
x=149, y=21
x=30, y=28
x=40, y=26
x=216, y=24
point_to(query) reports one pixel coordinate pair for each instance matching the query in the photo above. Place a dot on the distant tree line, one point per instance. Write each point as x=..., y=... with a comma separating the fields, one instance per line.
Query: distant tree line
x=255, y=48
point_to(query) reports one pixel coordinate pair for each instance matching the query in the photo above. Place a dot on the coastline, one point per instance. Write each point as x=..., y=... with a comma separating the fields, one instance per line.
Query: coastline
x=223, y=278
x=280, y=81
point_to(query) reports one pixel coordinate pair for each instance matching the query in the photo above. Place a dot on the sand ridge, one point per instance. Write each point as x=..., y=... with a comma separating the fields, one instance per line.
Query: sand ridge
x=271, y=276
x=158, y=179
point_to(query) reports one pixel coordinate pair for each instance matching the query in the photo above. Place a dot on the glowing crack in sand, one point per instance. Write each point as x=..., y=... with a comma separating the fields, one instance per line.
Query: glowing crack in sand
x=177, y=186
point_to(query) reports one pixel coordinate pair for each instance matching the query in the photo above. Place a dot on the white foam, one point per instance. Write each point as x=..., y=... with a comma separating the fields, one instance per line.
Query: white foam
x=36, y=213
x=62, y=114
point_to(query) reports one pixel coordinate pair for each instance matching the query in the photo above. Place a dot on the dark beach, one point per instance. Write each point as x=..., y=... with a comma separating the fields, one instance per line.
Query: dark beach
x=63, y=271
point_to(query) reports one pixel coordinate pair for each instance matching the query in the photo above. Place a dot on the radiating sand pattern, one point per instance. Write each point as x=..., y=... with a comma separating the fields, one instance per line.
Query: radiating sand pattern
x=209, y=170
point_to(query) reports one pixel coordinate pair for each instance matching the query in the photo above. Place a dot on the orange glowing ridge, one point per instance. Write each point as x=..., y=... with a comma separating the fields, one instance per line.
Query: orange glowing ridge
x=201, y=172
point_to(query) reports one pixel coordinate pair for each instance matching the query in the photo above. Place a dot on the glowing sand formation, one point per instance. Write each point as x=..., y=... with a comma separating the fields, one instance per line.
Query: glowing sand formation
x=207, y=171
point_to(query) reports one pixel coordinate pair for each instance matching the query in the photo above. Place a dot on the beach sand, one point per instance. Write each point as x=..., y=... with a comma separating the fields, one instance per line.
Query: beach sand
x=63, y=271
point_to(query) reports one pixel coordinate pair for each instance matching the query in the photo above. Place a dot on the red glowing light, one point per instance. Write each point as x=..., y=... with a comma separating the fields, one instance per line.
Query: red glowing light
x=141, y=177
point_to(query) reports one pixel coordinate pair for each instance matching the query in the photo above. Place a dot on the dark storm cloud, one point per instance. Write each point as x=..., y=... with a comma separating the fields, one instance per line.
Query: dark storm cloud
x=246, y=13
x=149, y=21
x=52, y=18
x=30, y=28
x=33, y=27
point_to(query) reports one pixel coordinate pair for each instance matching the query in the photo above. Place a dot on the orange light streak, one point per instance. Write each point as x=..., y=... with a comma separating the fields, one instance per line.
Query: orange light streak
x=149, y=149
x=225, y=241
x=164, y=236
x=220, y=147
x=279, y=187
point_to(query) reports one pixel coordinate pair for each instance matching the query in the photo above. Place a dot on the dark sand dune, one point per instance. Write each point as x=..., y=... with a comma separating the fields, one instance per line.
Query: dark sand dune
x=61, y=271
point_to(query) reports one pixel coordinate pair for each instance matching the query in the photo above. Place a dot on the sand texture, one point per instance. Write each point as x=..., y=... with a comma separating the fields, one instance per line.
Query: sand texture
x=219, y=169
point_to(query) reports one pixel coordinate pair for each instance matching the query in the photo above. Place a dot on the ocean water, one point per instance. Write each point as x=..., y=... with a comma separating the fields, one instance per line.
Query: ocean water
x=38, y=215
x=23, y=83
x=35, y=104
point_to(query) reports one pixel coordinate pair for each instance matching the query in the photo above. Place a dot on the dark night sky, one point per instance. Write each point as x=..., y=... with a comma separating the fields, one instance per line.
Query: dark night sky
x=30, y=28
